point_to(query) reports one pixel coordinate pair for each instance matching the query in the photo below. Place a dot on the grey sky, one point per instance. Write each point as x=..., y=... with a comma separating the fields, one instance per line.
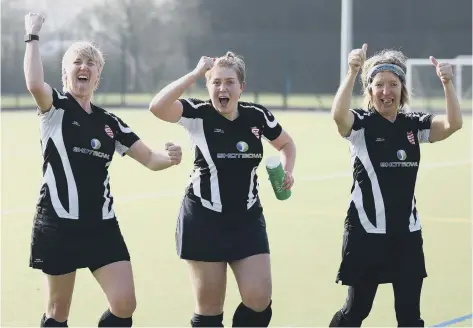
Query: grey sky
x=57, y=12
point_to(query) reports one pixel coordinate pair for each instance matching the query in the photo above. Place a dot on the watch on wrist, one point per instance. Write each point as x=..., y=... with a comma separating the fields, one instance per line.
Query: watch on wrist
x=31, y=37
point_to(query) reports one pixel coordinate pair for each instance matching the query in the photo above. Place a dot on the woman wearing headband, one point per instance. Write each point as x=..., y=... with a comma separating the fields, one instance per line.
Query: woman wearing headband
x=382, y=240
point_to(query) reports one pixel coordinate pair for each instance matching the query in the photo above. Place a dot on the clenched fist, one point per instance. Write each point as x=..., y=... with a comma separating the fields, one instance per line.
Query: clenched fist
x=204, y=64
x=33, y=23
x=357, y=58
x=174, y=152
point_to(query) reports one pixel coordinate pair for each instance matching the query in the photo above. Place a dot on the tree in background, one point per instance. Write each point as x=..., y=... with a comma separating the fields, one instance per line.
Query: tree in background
x=144, y=40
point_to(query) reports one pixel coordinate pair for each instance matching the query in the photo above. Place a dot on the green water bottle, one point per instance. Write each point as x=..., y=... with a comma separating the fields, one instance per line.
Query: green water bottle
x=276, y=177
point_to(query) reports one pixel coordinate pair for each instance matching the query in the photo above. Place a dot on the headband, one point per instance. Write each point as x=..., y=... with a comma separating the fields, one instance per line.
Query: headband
x=385, y=67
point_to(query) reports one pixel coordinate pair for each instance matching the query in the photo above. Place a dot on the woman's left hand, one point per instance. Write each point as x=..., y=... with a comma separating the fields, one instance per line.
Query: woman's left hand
x=444, y=70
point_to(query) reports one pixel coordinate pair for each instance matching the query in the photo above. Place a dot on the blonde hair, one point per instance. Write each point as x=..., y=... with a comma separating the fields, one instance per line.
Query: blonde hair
x=230, y=60
x=82, y=49
x=386, y=56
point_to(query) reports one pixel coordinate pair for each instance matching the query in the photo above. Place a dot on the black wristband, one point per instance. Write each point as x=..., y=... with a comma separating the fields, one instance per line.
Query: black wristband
x=31, y=37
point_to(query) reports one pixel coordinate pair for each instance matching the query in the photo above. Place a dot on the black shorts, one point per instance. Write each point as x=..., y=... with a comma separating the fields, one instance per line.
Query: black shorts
x=209, y=236
x=58, y=249
x=381, y=258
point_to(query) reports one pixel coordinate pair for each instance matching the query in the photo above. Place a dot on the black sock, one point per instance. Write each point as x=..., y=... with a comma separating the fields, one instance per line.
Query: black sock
x=199, y=320
x=108, y=319
x=246, y=317
x=50, y=322
x=340, y=320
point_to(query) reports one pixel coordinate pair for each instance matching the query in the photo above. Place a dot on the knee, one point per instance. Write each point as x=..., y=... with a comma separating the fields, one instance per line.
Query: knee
x=58, y=309
x=123, y=305
x=257, y=300
x=208, y=305
x=355, y=315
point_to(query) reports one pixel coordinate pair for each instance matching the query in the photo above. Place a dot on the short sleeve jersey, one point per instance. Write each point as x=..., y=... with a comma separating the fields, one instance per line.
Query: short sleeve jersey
x=385, y=157
x=227, y=153
x=78, y=148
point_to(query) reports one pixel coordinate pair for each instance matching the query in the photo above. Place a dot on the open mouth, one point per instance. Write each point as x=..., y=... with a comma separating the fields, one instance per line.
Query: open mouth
x=83, y=78
x=387, y=102
x=223, y=101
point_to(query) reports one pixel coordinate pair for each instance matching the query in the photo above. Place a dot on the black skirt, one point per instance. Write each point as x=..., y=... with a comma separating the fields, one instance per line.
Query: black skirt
x=59, y=248
x=381, y=258
x=209, y=236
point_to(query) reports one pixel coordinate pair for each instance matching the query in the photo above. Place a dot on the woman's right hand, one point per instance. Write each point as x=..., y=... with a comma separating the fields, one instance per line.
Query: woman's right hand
x=357, y=58
x=33, y=23
x=205, y=64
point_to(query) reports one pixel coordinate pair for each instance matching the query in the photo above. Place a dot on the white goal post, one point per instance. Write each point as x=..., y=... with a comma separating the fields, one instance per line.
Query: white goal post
x=459, y=64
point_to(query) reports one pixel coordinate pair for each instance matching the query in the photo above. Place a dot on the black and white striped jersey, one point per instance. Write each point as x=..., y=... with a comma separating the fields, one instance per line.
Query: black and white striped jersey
x=227, y=153
x=77, y=151
x=385, y=157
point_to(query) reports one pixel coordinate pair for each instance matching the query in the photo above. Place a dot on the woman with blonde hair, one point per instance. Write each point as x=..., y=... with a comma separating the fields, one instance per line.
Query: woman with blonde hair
x=221, y=219
x=75, y=225
x=382, y=240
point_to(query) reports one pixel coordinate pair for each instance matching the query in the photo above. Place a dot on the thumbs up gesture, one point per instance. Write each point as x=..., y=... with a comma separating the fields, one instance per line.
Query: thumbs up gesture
x=357, y=57
x=444, y=70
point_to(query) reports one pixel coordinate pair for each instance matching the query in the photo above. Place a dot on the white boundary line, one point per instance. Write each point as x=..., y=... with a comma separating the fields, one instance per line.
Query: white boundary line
x=338, y=175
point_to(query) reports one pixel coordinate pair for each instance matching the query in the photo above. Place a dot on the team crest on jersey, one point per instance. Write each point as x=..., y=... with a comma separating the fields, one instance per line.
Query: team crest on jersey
x=109, y=131
x=410, y=137
x=255, y=131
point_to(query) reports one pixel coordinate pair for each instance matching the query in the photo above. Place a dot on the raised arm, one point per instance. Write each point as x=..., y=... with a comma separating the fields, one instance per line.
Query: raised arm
x=341, y=102
x=165, y=105
x=444, y=126
x=33, y=67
